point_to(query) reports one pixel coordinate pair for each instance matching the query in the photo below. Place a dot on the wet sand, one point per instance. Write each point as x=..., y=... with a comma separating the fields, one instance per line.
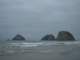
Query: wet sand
x=57, y=52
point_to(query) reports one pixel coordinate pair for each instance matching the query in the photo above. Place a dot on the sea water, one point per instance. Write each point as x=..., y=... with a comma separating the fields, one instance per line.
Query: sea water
x=14, y=47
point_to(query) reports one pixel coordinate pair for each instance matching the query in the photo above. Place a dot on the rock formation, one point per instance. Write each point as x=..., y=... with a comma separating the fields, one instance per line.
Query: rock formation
x=48, y=37
x=18, y=37
x=65, y=36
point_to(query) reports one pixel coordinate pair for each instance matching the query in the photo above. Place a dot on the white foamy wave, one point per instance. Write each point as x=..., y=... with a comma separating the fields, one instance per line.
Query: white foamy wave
x=61, y=43
x=42, y=43
x=25, y=44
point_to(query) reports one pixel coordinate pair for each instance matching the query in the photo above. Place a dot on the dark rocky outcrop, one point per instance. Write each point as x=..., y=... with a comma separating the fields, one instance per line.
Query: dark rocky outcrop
x=18, y=37
x=65, y=36
x=48, y=37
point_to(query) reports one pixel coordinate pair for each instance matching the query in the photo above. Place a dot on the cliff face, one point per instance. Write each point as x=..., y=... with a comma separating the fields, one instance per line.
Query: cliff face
x=18, y=37
x=48, y=37
x=65, y=36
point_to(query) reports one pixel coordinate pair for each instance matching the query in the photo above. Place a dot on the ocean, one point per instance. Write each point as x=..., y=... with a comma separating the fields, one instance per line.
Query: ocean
x=26, y=44
x=39, y=50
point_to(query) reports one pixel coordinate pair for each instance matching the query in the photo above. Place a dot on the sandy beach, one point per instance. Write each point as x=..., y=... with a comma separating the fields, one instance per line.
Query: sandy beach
x=54, y=52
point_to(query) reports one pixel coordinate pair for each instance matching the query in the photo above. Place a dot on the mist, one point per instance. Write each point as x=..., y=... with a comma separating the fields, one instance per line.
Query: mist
x=36, y=18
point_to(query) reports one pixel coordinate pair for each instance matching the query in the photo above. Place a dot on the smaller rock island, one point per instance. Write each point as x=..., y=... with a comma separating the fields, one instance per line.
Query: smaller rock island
x=19, y=37
x=48, y=37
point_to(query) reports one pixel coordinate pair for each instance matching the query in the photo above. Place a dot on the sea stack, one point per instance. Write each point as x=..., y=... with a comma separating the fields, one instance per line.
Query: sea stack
x=65, y=36
x=19, y=37
x=48, y=37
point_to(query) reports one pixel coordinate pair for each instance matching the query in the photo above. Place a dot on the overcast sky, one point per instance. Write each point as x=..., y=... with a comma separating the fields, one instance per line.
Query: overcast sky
x=36, y=18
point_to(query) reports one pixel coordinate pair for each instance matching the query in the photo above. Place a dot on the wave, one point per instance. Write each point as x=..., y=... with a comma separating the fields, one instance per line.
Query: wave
x=45, y=43
x=21, y=47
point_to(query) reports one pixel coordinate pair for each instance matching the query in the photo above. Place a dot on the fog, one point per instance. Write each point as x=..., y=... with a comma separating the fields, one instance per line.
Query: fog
x=36, y=18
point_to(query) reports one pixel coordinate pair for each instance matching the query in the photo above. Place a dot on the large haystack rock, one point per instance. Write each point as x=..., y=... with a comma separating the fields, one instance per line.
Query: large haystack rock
x=18, y=37
x=65, y=36
x=48, y=37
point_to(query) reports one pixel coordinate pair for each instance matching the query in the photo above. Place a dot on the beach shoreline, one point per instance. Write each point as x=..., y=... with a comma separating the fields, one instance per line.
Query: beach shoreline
x=53, y=52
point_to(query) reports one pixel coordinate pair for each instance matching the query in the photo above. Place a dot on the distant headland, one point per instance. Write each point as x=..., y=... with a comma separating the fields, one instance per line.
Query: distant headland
x=18, y=37
x=62, y=36
x=65, y=36
x=48, y=37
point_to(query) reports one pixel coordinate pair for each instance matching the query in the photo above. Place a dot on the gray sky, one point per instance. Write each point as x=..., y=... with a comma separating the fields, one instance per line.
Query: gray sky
x=36, y=18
